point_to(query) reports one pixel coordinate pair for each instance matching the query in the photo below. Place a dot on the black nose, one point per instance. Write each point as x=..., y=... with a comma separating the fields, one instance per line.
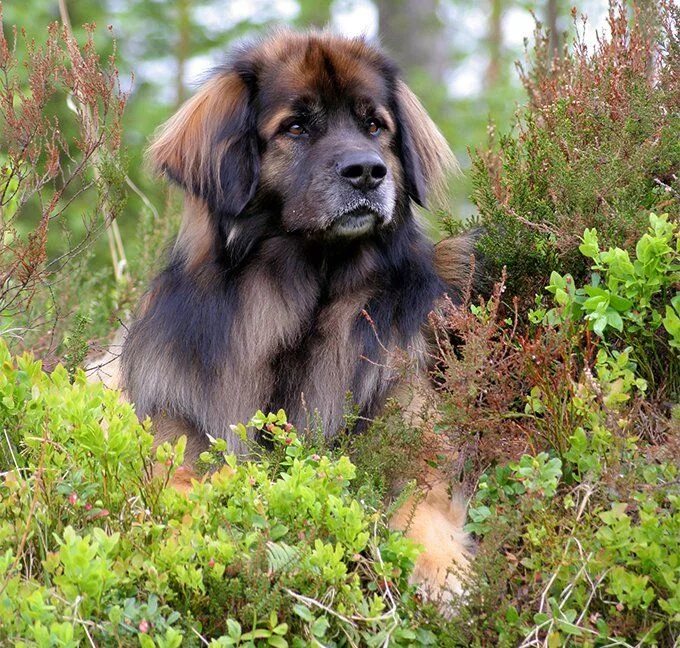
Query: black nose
x=362, y=169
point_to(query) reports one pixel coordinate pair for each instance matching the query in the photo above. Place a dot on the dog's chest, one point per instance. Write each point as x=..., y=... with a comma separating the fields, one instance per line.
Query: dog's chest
x=310, y=342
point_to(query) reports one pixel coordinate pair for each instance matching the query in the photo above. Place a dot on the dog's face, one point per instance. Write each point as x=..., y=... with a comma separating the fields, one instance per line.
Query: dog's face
x=329, y=134
x=314, y=128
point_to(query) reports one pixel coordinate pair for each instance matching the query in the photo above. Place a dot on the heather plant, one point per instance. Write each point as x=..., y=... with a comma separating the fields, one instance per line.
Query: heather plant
x=58, y=193
x=502, y=388
x=565, y=415
x=594, y=147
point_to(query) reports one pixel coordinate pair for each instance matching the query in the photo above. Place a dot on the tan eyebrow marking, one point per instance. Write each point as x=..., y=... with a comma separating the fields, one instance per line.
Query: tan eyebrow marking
x=384, y=116
x=271, y=126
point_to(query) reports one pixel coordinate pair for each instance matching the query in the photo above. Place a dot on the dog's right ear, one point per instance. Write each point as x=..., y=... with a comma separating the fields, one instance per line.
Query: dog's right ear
x=210, y=146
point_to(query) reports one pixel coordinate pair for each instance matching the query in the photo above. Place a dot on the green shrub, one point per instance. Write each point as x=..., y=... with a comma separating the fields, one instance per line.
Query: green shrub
x=632, y=304
x=580, y=535
x=578, y=550
x=594, y=555
x=94, y=548
x=595, y=147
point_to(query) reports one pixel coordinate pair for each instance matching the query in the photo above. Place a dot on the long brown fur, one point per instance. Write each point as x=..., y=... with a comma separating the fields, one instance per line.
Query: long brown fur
x=437, y=159
x=182, y=147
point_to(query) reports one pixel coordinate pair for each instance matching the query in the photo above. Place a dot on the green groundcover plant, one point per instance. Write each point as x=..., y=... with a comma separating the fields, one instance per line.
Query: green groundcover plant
x=631, y=302
x=580, y=539
x=96, y=549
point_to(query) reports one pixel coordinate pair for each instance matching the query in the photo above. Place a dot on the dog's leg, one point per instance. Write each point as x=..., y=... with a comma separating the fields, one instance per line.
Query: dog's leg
x=434, y=519
x=434, y=516
x=168, y=429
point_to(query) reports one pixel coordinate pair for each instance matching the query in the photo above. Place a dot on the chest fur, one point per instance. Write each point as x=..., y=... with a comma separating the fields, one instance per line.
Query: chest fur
x=284, y=332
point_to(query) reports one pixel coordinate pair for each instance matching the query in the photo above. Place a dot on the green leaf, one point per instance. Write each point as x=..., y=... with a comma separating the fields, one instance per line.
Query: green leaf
x=621, y=304
x=590, y=247
x=281, y=556
x=511, y=615
x=233, y=628
x=145, y=641
x=614, y=320
x=303, y=612
x=599, y=325
x=320, y=626
x=671, y=322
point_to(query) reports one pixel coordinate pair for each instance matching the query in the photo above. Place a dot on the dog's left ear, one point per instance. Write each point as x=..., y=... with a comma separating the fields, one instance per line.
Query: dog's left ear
x=210, y=146
x=423, y=150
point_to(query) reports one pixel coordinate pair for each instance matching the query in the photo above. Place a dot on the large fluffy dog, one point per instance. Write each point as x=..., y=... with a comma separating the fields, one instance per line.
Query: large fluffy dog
x=299, y=266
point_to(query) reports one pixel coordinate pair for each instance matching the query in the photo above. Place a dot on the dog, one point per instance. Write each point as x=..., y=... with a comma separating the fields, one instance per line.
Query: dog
x=299, y=269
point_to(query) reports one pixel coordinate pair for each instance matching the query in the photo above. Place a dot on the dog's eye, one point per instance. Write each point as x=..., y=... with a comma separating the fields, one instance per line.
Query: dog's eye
x=373, y=126
x=296, y=130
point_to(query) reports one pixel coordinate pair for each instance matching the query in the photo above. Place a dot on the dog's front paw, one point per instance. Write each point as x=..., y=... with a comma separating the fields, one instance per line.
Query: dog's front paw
x=435, y=521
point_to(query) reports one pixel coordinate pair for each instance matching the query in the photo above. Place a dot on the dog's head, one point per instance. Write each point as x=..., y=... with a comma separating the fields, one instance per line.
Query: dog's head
x=316, y=129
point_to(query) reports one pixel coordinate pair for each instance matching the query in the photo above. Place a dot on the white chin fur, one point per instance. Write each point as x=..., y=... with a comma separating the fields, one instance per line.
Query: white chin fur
x=357, y=225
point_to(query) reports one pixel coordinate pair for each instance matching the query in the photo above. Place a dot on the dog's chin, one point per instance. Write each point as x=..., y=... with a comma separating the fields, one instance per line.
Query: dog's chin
x=358, y=222
x=354, y=224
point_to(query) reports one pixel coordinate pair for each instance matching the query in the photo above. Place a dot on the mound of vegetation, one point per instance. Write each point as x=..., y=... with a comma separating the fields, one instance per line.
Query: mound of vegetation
x=94, y=548
x=573, y=470
x=574, y=505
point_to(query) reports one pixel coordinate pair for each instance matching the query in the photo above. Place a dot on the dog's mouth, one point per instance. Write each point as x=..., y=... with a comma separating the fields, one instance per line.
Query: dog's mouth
x=357, y=221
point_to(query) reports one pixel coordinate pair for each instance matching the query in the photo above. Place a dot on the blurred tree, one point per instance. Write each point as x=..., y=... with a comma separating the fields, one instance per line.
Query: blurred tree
x=414, y=33
x=314, y=13
x=494, y=44
x=433, y=39
x=183, y=47
x=552, y=21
